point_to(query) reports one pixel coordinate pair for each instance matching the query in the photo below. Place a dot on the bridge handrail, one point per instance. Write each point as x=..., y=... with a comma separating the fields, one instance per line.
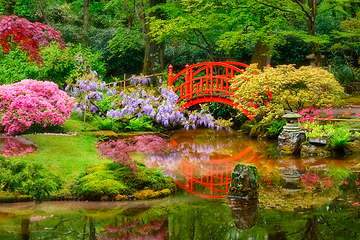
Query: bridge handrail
x=205, y=65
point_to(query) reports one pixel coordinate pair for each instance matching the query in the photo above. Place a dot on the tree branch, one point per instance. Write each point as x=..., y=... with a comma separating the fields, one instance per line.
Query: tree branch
x=301, y=5
x=192, y=43
x=276, y=7
x=202, y=36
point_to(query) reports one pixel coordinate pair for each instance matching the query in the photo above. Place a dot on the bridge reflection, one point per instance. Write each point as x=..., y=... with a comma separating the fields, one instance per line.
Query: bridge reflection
x=210, y=179
x=203, y=165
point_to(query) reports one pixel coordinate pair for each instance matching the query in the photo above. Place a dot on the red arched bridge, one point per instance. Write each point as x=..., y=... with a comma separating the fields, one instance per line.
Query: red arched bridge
x=207, y=82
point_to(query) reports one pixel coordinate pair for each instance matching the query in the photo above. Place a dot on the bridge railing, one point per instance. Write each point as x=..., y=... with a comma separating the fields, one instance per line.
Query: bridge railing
x=205, y=79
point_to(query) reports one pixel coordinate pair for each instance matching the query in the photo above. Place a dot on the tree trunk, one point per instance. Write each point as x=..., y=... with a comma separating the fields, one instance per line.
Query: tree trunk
x=261, y=55
x=92, y=230
x=154, y=51
x=25, y=228
x=86, y=22
x=43, y=13
x=9, y=7
x=129, y=17
x=315, y=47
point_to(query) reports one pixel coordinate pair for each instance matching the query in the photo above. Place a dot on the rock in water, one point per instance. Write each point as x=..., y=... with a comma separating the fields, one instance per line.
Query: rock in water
x=244, y=182
x=244, y=212
x=289, y=142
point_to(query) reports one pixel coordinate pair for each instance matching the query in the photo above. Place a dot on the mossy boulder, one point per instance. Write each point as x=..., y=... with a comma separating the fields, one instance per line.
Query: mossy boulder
x=289, y=142
x=308, y=150
x=112, y=181
x=352, y=147
x=244, y=181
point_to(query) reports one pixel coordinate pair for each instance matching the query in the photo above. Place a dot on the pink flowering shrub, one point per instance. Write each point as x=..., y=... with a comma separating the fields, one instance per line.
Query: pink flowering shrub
x=310, y=114
x=28, y=102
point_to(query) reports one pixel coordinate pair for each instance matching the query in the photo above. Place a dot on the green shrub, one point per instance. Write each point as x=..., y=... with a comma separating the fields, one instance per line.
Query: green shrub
x=275, y=127
x=140, y=124
x=340, y=137
x=113, y=179
x=59, y=64
x=28, y=178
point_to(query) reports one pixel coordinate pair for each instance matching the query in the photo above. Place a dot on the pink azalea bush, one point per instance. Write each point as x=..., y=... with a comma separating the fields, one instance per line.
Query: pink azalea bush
x=310, y=114
x=28, y=102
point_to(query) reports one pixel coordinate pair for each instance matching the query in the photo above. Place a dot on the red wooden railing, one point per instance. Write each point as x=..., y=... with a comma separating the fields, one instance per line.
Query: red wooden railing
x=207, y=82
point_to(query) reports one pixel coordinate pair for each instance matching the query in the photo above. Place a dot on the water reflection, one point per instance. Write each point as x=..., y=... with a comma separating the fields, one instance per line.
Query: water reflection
x=202, y=165
x=308, y=198
x=244, y=212
x=156, y=229
x=16, y=146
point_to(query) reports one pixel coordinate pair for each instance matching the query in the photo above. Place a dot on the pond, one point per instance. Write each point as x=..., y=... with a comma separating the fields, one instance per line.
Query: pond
x=16, y=146
x=307, y=198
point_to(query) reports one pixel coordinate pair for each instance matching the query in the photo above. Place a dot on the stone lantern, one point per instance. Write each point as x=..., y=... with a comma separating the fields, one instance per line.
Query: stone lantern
x=291, y=122
x=291, y=137
x=312, y=58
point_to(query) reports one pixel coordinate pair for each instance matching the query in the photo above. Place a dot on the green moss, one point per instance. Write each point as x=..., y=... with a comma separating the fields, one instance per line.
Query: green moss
x=287, y=150
x=113, y=179
x=352, y=147
x=148, y=193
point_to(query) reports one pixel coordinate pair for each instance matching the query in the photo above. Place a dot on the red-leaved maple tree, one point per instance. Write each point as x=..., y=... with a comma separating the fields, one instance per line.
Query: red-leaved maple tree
x=27, y=35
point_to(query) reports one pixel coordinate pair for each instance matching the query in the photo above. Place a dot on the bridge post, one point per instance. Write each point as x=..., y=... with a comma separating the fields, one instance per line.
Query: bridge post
x=170, y=77
x=187, y=82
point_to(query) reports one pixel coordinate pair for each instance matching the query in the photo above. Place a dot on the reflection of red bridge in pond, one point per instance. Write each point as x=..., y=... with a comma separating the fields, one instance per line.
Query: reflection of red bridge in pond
x=207, y=82
x=214, y=176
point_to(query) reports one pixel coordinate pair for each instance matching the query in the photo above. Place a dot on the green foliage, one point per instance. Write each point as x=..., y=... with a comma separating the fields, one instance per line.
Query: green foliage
x=275, y=127
x=179, y=54
x=339, y=173
x=140, y=124
x=223, y=111
x=28, y=177
x=105, y=123
x=128, y=60
x=59, y=64
x=340, y=137
x=347, y=41
x=125, y=39
x=25, y=9
x=111, y=179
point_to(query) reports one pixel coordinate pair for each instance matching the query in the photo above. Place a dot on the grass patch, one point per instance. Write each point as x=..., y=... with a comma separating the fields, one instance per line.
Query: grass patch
x=353, y=99
x=67, y=156
x=69, y=152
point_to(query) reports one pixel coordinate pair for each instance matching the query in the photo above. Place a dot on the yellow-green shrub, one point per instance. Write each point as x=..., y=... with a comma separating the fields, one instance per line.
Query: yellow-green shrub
x=291, y=89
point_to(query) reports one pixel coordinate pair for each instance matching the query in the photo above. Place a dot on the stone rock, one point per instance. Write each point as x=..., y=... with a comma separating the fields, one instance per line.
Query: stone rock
x=352, y=147
x=309, y=150
x=289, y=142
x=319, y=141
x=244, y=212
x=244, y=182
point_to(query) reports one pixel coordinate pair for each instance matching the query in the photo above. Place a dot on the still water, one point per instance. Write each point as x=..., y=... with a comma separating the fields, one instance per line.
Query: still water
x=305, y=198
